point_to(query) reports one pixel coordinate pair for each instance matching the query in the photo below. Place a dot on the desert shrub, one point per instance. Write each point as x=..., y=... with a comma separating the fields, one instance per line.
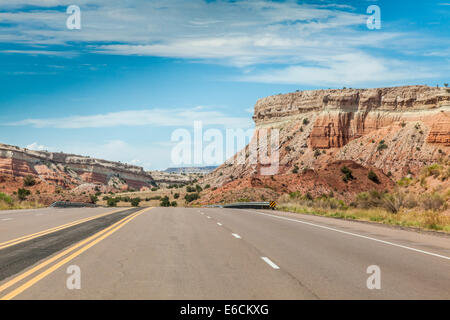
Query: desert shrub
x=174, y=204
x=165, y=202
x=369, y=199
x=154, y=189
x=207, y=186
x=433, y=170
x=382, y=145
x=373, y=176
x=295, y=170
x=392, y=202
x=410, y=201
x=191, y=197
x=29, y=181
x=316, y=153
x=330, y=203
x=305, y=121
x=135, y=202
x=404, y=182
x=6, y=199
x=198, y=188
x=112, y=202
x=432, y=201
x=295, y=195
x=22, y=194
x=347, y=174
x=176, y=195
x=93, y=198
x=190, y=189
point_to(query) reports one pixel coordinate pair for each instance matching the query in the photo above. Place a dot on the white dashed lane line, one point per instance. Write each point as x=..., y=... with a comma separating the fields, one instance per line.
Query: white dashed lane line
x=270, y=263
x=265, y=259
x=7, y=219
x=352, y=234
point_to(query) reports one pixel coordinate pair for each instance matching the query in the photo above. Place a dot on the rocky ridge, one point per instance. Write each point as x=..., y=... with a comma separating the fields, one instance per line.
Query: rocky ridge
x=69, y=171
x=395, y=130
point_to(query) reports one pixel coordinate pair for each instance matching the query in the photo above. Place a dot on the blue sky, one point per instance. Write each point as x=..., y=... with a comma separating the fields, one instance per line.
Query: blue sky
x=138, y=70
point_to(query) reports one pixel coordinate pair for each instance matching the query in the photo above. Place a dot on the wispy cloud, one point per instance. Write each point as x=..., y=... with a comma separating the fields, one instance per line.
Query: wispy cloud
x=356, y=68
x=153, y=117
x=238, y=33
x=37, y=147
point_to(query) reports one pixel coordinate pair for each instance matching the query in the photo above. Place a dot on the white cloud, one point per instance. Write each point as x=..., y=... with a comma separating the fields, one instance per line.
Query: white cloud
x=310, y=40
x=154, y=117
x=37, y=147
x=356, y=68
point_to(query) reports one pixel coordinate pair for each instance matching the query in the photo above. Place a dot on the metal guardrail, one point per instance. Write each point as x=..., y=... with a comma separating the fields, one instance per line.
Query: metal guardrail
x=251, y=205
x=67, y=204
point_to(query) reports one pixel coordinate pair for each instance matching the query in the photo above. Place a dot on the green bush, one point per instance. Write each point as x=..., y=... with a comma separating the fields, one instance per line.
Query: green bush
x=347, y=174
x=29, y=181
x=191, y=197
x=165, y=202
x=382, y=145
x=22, y=194
x=190, y=189
x=173, y=203
x=6, y=199
x=112, y=202
x=93, y=198
x=135, y=202
x=176, y=195
x=373, y=176
x=316, y=153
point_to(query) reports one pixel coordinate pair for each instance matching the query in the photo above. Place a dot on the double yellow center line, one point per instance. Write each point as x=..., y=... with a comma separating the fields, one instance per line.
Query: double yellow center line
x=13, y=242
x=81, y=246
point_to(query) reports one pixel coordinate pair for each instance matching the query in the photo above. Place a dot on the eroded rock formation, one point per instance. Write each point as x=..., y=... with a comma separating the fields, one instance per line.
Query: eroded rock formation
x=395, y=130
x=68, y=170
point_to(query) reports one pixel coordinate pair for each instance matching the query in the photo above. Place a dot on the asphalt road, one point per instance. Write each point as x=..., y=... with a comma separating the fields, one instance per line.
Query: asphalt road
x=211, y=253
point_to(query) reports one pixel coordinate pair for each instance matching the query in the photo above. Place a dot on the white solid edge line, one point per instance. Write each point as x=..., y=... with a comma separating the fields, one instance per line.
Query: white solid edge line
x=354, y=234
x=270, y=263
x=219, y=224
x=236, y=235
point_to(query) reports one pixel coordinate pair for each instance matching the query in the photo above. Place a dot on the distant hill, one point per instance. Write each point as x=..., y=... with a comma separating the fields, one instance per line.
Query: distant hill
x=188, y=170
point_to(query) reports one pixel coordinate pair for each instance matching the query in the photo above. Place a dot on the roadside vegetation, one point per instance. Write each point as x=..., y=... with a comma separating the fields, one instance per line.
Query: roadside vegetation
x=18, y=202
x=164, y=196
x=421, y=201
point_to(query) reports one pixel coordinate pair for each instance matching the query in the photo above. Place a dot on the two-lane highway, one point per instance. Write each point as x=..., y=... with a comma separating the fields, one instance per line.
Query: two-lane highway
x=211, y=253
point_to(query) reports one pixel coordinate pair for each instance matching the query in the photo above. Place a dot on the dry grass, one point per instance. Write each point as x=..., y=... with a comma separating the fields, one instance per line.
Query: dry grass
x=146, y=195
x=15, y=205
x=407, y=218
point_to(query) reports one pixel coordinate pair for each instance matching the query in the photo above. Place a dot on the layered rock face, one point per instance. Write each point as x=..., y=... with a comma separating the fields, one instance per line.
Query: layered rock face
x=395, y=130
x=344, y=115
x=69, y=170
